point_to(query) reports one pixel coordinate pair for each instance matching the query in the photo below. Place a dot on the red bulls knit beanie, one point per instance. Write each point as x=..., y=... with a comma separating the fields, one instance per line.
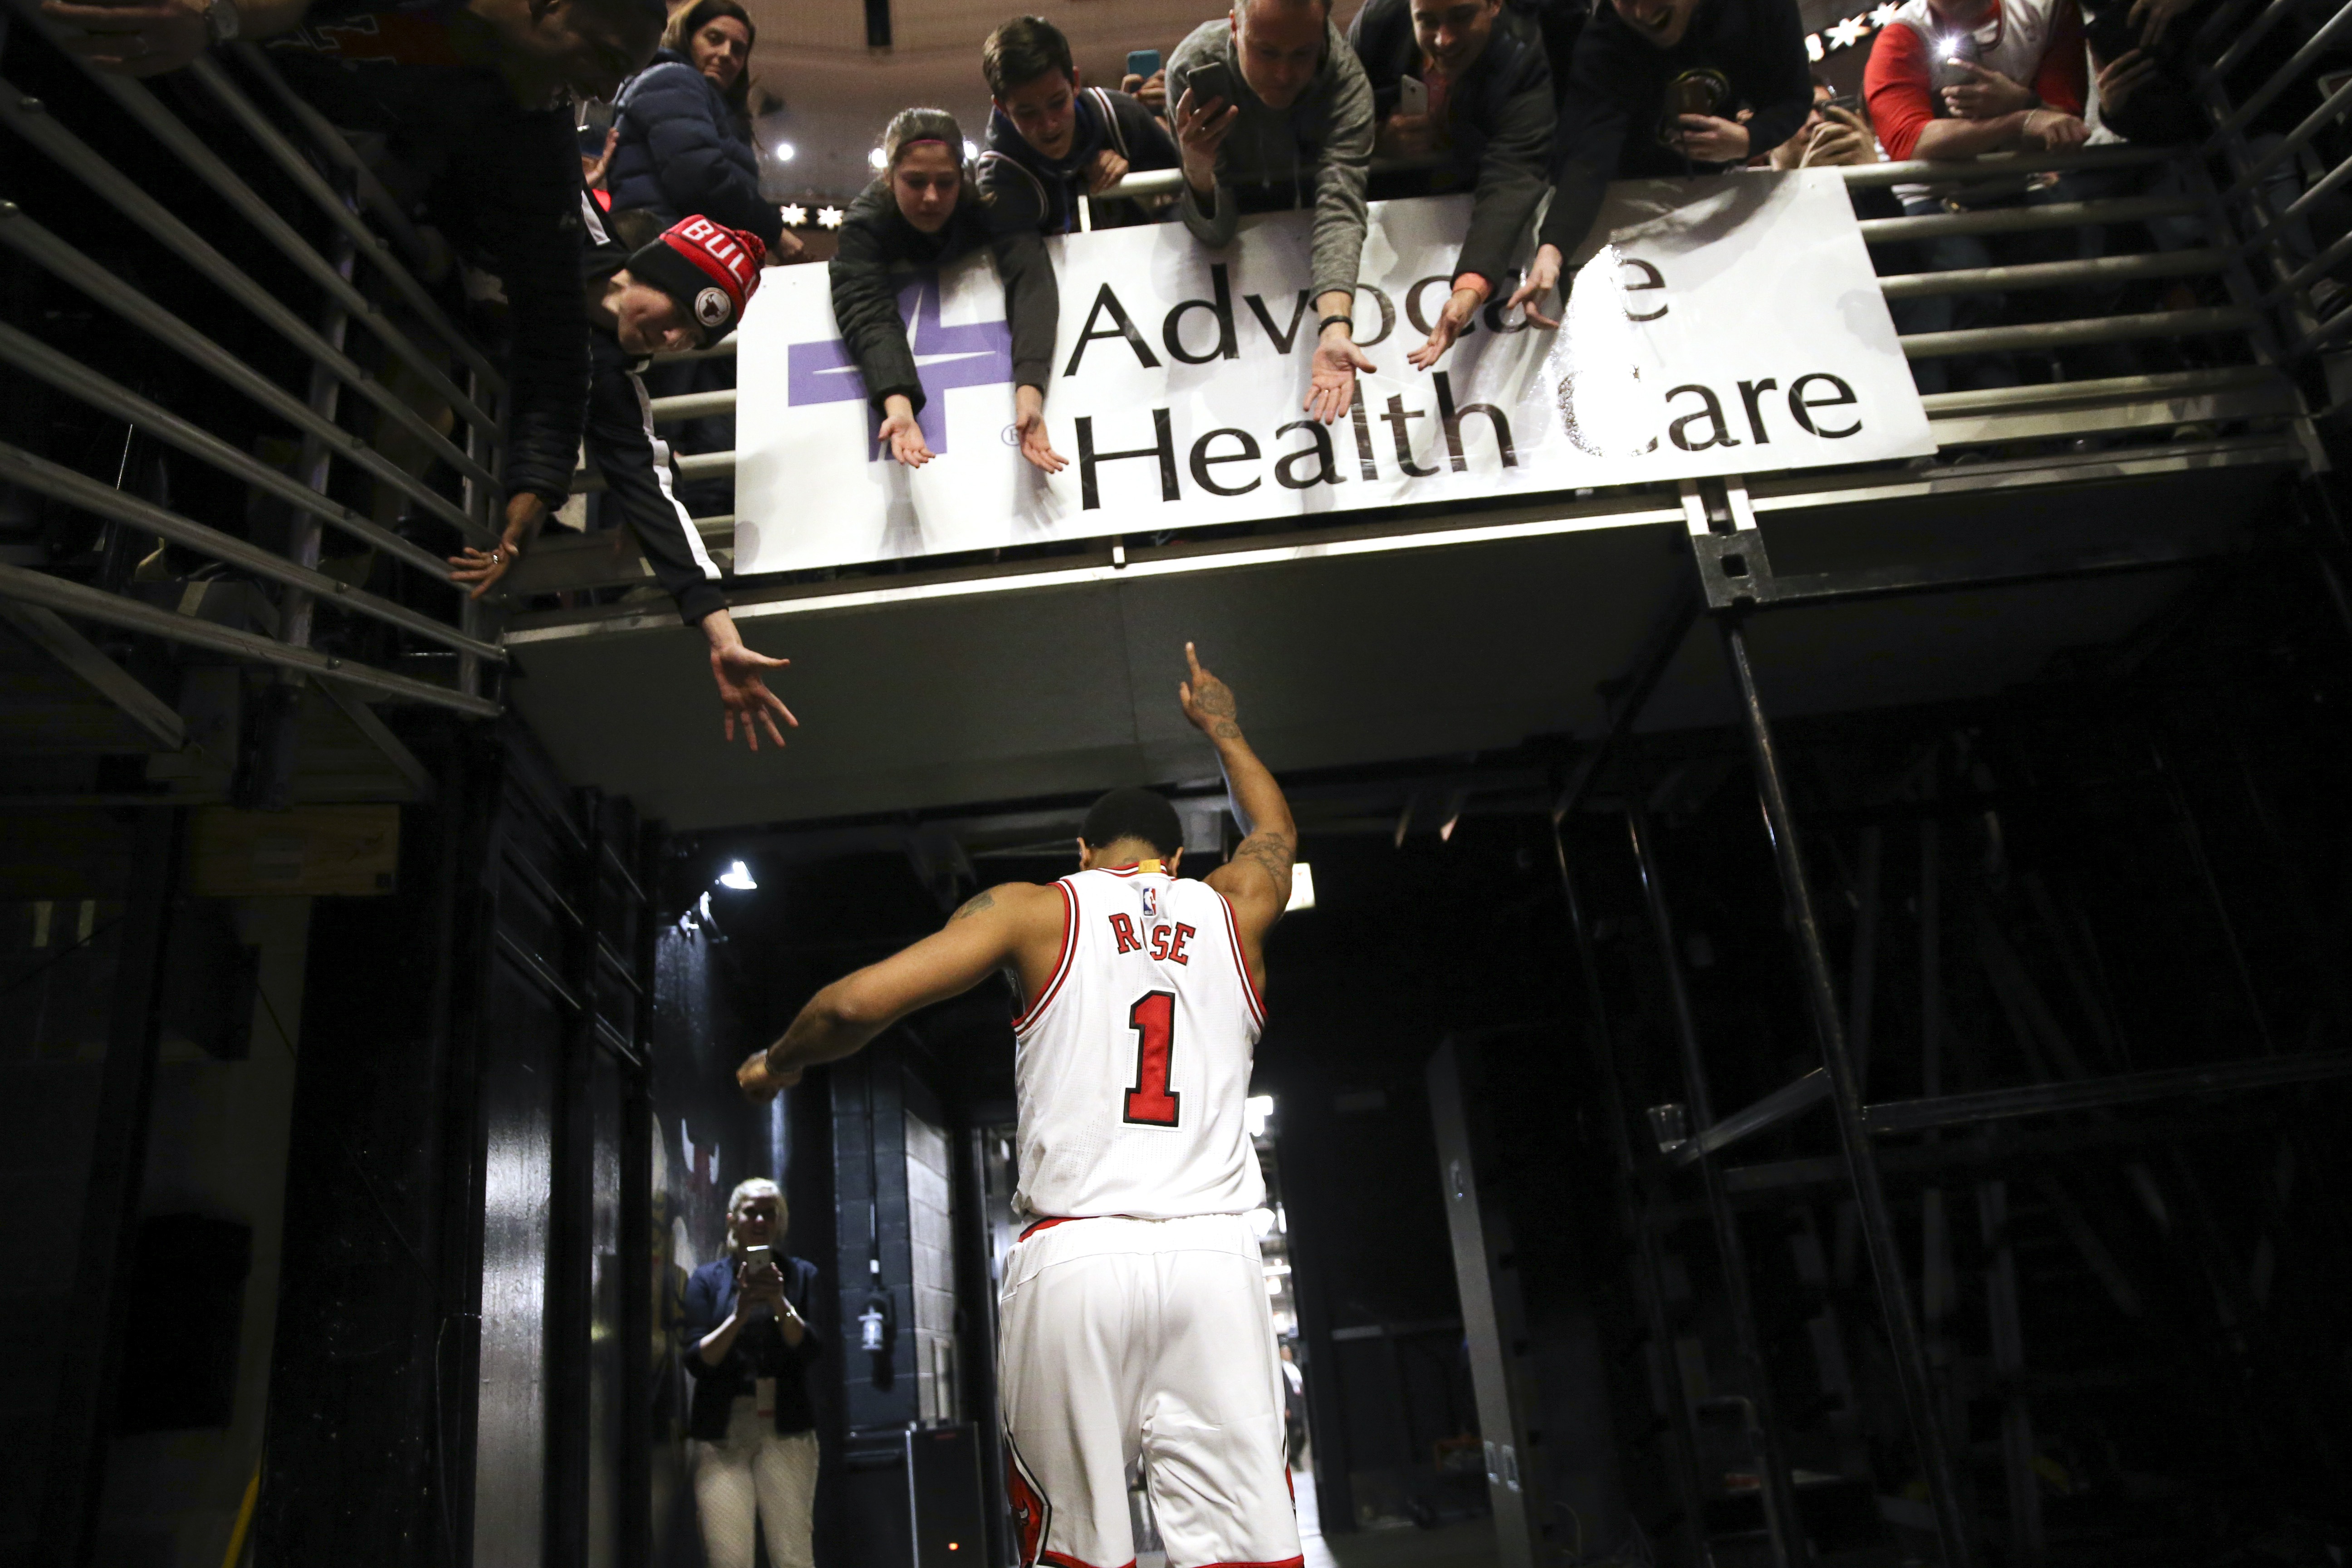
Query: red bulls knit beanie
x=711, y=272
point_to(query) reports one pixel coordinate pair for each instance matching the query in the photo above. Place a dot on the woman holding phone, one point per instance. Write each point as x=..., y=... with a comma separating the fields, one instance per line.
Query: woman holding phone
x=749, y=1344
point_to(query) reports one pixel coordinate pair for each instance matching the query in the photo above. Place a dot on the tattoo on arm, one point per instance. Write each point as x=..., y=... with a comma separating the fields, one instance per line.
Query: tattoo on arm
x=1225, y=730
x=983, y=900
x=1271, y=853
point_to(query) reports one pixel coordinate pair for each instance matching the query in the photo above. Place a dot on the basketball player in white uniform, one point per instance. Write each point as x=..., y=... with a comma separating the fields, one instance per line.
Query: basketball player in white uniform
x=1134, y=1307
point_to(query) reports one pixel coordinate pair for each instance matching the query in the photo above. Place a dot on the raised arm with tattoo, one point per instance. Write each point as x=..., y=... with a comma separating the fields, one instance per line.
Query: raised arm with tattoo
x=1256, y=879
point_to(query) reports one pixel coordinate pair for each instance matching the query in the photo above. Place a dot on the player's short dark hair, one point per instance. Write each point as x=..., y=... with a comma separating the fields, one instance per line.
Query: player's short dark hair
x=1021, y=51
x=1132, y=813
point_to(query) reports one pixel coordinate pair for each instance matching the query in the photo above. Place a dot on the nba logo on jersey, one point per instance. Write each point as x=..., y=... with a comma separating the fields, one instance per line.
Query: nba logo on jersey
x=1150, y=901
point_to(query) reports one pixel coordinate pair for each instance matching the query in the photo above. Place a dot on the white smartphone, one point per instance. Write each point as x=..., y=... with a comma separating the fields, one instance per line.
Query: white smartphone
x=1413, y=96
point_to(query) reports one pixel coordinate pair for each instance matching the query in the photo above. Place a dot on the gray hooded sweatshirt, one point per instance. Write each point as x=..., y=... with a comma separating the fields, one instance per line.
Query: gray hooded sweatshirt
x=1317, y=151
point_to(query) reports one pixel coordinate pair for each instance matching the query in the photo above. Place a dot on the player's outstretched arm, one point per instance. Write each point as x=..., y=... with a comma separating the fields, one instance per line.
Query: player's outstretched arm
x=995, y=928
x=1256, y=879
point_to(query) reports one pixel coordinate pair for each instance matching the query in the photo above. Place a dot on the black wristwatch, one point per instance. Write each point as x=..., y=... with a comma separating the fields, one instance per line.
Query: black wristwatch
x=1325, y=324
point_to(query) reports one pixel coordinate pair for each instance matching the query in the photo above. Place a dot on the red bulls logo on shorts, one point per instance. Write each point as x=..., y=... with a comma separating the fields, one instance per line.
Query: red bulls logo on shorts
x=1028, y=1509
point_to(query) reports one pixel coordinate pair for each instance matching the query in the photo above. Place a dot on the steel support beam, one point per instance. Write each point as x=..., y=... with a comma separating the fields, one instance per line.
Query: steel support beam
x=1878, y=1221
x=395, y=750
x=1778, y=1490
x=50, y=631
x=2088, y=1094
x=1690, y=1486
x=1769, y=1111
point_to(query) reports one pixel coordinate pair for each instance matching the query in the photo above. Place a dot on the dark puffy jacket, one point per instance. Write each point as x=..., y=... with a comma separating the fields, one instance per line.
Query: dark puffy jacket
x=680, y=154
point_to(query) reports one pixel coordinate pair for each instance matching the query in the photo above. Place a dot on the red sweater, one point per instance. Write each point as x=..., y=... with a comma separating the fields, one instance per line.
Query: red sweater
x=1899, y=83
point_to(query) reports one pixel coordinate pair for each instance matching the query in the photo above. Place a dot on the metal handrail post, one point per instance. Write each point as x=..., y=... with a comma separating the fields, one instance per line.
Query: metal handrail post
x=313, y=467
x=272, y=783
x=1853, y=1135
x=1778, y=1492
x=1690, y=1487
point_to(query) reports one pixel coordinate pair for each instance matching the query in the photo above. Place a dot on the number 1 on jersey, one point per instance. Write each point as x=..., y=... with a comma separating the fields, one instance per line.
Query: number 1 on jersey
x=1153, y=1020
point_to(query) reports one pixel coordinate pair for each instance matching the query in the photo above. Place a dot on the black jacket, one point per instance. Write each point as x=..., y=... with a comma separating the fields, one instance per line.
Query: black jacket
x=1498, y=122
x=681, y=154
x=1748, y=54
x=878, y=247
x=759, y=1351
x=501, y=182
x=1023, y=185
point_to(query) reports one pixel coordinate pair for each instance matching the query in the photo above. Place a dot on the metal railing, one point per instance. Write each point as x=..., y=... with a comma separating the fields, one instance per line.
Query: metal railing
x=291, y=344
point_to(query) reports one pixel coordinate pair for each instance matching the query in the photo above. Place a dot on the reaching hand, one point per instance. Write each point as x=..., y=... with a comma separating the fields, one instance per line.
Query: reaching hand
x=787, y=250
x=2123, y=77
x=905, y=436
x=741, y=673
x=1107, y=170
x=2051, y=129
x=133, y=40
x=1332, y=380
x=1710, y=139
x=1200, y=130
x=1543, y=276
x=483, y=568
x=1989, y=97
x=1207, y=701
x=1029, y=425
x=1459, y=308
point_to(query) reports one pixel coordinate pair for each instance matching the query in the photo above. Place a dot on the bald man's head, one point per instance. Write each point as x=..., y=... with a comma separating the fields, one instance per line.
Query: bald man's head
x=1279, y=46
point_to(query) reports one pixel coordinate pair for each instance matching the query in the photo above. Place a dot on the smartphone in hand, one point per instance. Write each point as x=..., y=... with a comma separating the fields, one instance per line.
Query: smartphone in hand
x=1144, y=63
x=1212, y=83
x=1413, y=96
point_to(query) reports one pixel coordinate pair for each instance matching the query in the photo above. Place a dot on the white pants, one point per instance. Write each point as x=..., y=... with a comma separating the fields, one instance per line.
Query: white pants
x=755, y=1475
x=1128, y=1337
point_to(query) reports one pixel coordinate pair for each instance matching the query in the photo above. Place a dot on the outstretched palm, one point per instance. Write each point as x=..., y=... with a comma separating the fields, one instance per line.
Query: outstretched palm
x=743, y=692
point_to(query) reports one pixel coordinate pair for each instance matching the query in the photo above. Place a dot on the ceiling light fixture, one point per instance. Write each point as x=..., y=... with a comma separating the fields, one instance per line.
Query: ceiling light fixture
x=738, y=877
x=786, y=153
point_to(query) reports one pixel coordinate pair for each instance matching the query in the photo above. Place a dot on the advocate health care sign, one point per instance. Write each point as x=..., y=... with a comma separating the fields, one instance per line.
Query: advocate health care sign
x=1730, y=326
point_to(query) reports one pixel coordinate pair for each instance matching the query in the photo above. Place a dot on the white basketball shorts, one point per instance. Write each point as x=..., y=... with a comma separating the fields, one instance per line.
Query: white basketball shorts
x=1152, y=1338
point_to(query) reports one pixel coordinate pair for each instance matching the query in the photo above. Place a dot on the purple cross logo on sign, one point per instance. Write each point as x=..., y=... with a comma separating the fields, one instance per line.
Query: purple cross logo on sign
x=979, y=355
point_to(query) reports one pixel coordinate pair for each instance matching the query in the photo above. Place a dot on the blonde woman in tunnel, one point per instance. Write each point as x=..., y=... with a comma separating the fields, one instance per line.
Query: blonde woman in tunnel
x=751, y=1429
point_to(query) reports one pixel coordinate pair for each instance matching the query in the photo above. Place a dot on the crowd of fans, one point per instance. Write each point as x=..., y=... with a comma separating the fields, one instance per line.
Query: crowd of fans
x=1529, y=106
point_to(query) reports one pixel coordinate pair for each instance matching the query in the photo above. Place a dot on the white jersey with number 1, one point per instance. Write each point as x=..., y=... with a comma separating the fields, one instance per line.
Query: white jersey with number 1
x=1133, y=1062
